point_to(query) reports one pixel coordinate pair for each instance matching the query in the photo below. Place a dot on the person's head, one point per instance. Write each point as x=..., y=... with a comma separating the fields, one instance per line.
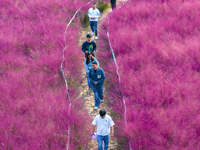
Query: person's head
x=102, y=113
x=89, y=38
x=94, y=65
x=88, y=57
x=94, y=6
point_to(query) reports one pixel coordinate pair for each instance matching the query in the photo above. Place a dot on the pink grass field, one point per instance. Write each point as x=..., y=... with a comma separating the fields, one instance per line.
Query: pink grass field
x=34, y=107
x=156, y=44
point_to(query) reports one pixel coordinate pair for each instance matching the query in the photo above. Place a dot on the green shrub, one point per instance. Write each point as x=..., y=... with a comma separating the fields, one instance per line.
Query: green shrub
x=102, y=6
x=84, y=19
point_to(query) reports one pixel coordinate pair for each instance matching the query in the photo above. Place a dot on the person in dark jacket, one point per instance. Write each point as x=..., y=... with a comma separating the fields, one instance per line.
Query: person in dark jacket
x=113, y=4
x=88, y=66
x=97, y=76
x=89, y=46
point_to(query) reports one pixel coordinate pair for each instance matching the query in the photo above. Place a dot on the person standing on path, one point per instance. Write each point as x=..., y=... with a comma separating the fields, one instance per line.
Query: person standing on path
x=96, y=77
x=94, y=14
x=88, y=66
x=89, y=46
x=103, y=122
x=113, y=4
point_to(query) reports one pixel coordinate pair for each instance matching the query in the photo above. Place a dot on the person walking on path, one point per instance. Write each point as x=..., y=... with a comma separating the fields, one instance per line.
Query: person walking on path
x=96, y=77
x=88, y=66
x=94, y=14
x=103, y=122
x=113, y=4
x=89, y=46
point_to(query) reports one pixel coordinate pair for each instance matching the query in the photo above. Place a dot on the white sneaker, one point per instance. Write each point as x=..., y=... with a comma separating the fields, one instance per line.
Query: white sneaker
x=96, y=38
x=95, y=108
x=92, y=34
x=101, y=100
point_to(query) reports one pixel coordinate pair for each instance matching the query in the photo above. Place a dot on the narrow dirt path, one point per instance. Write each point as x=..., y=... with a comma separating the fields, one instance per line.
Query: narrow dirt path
x=88, y=95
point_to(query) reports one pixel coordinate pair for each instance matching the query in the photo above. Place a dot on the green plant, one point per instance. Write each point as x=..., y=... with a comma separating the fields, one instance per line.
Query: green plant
x=84, y=19
x=102, y=6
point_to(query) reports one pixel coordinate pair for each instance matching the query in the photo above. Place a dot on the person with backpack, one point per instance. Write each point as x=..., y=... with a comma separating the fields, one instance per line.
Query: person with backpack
x=97, y=77
x=89, y=46
x=94, y=14
x=88, y=66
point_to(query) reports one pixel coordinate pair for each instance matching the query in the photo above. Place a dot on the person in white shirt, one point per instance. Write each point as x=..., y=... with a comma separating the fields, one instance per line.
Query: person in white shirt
x=94, y=14
x=103, y=122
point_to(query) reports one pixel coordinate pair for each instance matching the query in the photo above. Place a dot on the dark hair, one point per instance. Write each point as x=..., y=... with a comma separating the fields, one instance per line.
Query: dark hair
x=88, y=35
x=87, y=58
x=94, y=3
x=102, y=112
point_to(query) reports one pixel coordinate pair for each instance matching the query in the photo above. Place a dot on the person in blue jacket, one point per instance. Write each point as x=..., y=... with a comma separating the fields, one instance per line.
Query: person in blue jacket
x=97, y=76
x=89, y=46
x=88, y=66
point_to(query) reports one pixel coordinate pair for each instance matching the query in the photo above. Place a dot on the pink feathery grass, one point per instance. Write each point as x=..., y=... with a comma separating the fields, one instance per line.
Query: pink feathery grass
x=156, y=44
x=34, y=107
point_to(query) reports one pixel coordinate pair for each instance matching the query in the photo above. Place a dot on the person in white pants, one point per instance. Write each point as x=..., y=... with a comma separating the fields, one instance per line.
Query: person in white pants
x=94, y=14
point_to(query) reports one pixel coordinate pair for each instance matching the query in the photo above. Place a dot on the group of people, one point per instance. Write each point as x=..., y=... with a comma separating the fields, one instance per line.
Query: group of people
x=95, y=77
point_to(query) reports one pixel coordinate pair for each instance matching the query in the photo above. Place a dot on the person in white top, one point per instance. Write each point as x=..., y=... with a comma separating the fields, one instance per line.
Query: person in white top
x=103, y=122
x=94, y=14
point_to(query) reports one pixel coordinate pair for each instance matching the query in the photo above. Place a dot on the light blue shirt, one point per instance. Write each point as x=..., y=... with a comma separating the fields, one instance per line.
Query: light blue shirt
x=89, y=66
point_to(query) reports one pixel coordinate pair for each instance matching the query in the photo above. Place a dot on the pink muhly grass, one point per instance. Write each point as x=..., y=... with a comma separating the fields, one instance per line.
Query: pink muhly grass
x=157, y=51
x=34, y=106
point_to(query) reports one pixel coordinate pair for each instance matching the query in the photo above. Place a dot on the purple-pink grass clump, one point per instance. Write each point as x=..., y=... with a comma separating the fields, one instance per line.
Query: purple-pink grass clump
x=34, y=107
x=156, y=44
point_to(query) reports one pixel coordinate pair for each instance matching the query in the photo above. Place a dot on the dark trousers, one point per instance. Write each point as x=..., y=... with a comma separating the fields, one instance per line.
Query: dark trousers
x=98, y=94
x=113, y=4
x=93, y=26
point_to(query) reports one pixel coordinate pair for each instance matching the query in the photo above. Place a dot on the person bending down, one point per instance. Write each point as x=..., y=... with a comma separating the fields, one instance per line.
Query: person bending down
x=97, y=76
x=88, y=66
x=103, y=122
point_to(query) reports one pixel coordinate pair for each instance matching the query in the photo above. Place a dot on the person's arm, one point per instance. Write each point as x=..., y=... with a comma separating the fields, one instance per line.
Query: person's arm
x=90, y=76
x=94, y=123
x=111, y=124
x=83, y=47
x=86, y=67
x=112, y=131
x=89, y=14
x=102, y=79
x=94, y=46
x=96, y=61
x=94, y=128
